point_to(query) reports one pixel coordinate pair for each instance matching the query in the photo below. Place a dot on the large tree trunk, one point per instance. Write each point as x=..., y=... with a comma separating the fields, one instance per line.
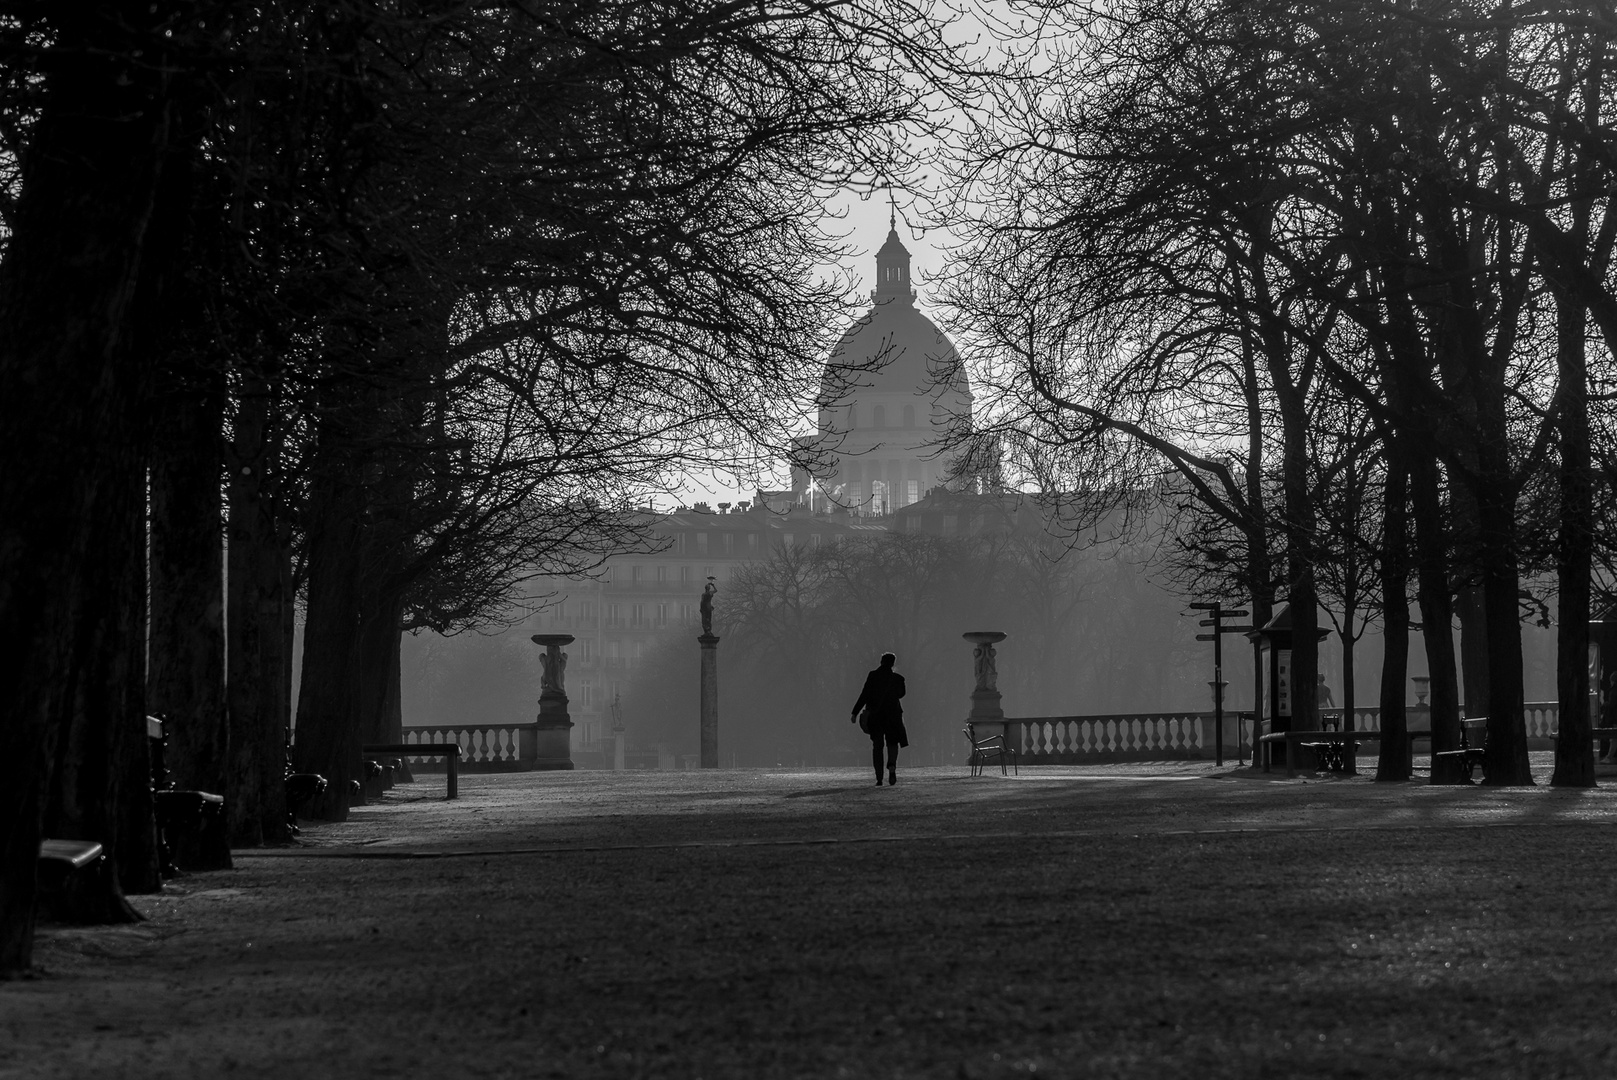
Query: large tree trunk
x=1472, y=608
x=1299, y=530
x=186, y=677
x=1574, y=553
x=260, y=657
x=329, y=734
x=1437, y=614
x=381, y=717
x=1394, y=761
x=71, y=491
x=101, y=786
x=1505, y=759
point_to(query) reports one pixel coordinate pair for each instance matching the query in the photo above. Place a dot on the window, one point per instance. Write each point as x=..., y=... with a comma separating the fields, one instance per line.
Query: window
x=729, y=543
x=853, y=417
x=586, y=610
x=909, y=416
x=662, y=573
x=611, y=651
x=612, y=615
x=912, y=492
x=752, y=543
x=606, y=575
x=662, y=614
x=684, y=575
x=587, y=693
x=950, y=523
x=879, y=419
x=587, y=648
x=701, y=543
x=685, y=614
x=639, y=614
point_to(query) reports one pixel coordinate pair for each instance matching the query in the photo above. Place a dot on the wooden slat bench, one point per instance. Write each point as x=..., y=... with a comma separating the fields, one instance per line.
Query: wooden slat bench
x=67, y=873
x=450, y=752
x=1295, y=740
x=1473, y=738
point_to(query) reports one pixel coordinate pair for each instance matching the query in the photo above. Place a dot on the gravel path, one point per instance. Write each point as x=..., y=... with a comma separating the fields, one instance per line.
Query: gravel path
x=1130, y=921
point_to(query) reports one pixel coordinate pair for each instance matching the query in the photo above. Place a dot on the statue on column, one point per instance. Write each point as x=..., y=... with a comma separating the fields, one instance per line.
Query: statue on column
x=554, y=671
x=983, y=660
x=707, y=607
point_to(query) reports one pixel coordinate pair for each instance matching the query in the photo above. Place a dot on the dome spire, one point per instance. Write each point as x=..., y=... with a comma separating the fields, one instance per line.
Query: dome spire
x=893, y=263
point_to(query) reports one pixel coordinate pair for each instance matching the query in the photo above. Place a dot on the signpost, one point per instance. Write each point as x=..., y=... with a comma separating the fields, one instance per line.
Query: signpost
x=1217, y=638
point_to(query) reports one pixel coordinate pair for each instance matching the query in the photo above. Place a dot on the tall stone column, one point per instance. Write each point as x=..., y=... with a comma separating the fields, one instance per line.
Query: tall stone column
x=552, y=741
x=710, y=701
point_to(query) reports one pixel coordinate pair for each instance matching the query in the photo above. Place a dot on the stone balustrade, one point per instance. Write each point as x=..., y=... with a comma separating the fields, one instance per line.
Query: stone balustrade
x=1169, y=736
x=485, y=747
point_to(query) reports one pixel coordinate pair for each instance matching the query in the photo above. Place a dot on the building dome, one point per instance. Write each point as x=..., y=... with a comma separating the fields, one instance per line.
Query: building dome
x=893, y=350
x=893, y=392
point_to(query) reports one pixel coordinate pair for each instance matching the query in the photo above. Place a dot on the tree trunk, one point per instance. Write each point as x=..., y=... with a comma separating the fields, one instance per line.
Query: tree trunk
x=1349, y=756
x=1574, y=749
x=102, y=778
x=71, y=491
x=377, y=668
x=1472, y=609
x=1505, y=759
x=329, y=710
x=1393, y=763
x=260, y=587
x=186, y=676
x=1437, y=614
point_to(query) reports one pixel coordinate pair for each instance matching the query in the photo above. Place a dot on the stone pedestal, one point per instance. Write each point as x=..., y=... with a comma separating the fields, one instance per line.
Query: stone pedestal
x=710, y=700
x=553, y=731
x=986, y=716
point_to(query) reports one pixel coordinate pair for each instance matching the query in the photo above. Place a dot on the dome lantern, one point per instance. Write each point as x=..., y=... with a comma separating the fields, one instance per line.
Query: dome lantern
x=893, y=269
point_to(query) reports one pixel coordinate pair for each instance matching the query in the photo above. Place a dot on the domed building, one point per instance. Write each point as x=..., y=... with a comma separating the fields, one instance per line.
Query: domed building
x=893, y=393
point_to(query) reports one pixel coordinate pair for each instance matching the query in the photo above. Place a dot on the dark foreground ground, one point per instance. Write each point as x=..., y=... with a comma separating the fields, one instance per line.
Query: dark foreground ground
x=1136, y=921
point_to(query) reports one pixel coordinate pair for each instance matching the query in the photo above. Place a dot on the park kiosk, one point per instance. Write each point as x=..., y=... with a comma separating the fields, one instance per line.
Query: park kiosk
x=1276, y=689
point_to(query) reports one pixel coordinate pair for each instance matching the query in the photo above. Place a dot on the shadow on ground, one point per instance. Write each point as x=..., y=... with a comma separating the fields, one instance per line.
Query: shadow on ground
x=1130, y=922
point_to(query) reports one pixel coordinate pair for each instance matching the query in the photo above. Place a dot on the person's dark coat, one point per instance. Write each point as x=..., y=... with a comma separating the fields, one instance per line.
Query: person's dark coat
x=883, y=689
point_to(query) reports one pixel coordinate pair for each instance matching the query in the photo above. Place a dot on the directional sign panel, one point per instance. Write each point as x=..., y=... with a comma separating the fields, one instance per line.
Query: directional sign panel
x=1202, y=607
x=1205, y=637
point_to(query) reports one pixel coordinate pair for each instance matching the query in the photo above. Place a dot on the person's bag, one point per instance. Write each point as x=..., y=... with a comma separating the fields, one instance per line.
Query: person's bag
x=864, y=720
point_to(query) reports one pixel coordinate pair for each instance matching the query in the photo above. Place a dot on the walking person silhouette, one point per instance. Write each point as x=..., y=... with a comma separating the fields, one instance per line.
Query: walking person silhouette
x=884, y=716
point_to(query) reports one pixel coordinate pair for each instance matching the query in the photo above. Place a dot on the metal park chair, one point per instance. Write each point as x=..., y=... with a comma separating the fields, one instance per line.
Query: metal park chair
x=987, y=750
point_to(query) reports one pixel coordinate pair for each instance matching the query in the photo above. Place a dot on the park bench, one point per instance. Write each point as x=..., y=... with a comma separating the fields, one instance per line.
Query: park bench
x=191, y=828
x=1469, y=755
x=450, y=752
x=300, y=788
x=1315, y=740
x=68, y=874
x=991, y=748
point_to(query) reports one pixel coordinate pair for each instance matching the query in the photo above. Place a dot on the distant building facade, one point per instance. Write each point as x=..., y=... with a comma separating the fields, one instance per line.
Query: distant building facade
x=893, y=391
x=616, y=616
x=893, y=394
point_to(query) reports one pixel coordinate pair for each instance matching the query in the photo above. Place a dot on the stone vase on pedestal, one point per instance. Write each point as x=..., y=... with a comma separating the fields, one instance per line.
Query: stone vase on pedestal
x=553, y=731
x=986, y=717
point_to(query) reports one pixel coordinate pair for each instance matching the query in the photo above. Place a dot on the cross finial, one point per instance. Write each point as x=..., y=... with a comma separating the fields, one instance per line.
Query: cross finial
x=892, y=209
